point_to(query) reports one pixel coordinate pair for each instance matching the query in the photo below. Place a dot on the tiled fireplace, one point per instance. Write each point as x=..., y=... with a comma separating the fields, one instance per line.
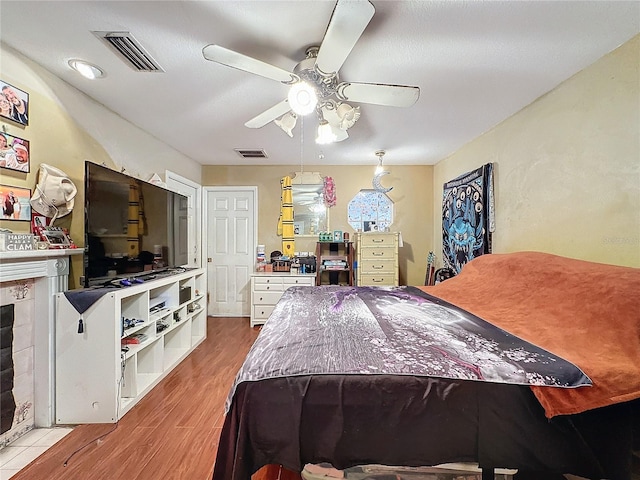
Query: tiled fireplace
x=17, y=354
x=28, y=283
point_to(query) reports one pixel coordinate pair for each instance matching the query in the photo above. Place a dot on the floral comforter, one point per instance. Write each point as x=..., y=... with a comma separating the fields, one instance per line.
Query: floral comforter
x=394, y=331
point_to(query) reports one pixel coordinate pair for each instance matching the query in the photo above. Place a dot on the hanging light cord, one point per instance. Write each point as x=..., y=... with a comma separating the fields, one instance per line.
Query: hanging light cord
x=301, y=143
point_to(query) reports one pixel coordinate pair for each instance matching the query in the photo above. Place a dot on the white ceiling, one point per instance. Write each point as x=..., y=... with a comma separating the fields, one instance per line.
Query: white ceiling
x=476, y=63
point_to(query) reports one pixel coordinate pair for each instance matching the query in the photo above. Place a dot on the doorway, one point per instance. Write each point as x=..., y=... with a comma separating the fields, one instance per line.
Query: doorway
x=231, y=242
x=193, y=192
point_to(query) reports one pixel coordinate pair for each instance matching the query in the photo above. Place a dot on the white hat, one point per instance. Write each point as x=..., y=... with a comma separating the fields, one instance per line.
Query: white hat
x=54, y=193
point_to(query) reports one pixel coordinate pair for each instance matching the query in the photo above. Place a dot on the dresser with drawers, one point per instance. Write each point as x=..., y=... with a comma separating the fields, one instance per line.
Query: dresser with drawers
x=377, y=258
x=268, y=287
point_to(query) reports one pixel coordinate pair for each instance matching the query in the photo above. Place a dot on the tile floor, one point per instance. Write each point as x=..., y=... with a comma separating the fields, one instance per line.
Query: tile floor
x=27, y=448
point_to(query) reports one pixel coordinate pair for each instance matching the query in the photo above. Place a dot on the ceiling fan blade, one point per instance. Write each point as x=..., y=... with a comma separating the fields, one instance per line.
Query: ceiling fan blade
x=348, y=21
x=378, y=94
x=269, y=115
x=224, y=56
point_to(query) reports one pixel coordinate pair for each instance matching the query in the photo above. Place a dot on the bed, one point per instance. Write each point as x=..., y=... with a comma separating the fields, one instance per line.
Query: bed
x=527, y=360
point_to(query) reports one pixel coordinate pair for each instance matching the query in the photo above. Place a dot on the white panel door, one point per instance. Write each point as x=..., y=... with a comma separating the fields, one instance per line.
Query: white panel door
x=231, y=226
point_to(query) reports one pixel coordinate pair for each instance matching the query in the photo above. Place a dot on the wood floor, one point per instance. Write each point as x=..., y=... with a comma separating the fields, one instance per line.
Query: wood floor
x=172, y=434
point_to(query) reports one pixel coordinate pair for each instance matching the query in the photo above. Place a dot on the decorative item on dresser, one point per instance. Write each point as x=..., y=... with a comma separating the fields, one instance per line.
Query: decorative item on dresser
x=377, y=257
x=267, y=288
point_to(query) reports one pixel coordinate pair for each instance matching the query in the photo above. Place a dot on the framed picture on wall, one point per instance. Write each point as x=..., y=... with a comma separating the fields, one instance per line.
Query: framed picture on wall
x=14, y=104
x=15, y=203
x=39, y=221
x=15, y=153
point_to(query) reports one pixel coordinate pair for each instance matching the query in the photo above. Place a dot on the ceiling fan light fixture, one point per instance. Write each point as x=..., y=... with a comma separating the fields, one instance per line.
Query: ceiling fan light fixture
x=302, y=98
x=86, y=69
x=325, y=133
x=348, y=115
x=287, y=122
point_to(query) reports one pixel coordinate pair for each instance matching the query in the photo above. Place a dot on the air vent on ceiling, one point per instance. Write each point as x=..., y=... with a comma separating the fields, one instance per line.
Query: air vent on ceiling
x=130, y=50
x=246, y=153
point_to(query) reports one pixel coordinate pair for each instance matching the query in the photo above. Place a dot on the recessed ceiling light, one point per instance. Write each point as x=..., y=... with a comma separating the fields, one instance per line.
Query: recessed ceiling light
x=86, y=69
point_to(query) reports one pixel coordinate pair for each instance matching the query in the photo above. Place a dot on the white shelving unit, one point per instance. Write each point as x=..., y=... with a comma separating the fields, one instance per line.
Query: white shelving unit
x=97, y=380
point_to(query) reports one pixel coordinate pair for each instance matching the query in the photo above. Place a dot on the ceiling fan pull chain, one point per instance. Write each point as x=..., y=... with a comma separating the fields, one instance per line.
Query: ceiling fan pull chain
x=301, y=144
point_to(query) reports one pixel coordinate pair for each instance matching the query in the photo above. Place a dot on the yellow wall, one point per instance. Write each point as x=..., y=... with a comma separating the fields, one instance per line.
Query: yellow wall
x=412, y=196
x=66, y=128
x=567, y=167
x=55, y=139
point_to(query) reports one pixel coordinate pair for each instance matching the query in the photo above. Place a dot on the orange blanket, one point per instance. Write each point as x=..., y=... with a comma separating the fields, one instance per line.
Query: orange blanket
x=587, y=313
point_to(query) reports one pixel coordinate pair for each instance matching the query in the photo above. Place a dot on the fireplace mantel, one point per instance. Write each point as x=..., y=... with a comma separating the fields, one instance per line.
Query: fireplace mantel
x=35, y=263
x=50, y=271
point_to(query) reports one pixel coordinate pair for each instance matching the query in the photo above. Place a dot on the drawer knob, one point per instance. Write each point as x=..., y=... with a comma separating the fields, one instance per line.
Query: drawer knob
x=376, y=254
x=377, y=267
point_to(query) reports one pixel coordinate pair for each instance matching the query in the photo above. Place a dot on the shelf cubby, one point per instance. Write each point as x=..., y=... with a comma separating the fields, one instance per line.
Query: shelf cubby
x=333, y=253
x=135, y=306
x=177, y=342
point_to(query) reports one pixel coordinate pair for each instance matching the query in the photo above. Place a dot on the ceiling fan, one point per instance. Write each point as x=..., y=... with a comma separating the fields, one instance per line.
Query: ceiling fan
x=314, y=85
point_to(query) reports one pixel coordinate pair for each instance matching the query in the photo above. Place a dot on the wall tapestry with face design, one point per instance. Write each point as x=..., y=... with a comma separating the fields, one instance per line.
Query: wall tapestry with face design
x=467, y=217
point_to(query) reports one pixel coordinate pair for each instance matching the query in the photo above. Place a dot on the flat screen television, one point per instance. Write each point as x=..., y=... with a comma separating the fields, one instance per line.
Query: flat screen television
x=132, y=227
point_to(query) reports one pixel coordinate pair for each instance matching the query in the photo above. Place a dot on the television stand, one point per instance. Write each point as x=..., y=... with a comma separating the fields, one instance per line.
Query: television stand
x=131, y=338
